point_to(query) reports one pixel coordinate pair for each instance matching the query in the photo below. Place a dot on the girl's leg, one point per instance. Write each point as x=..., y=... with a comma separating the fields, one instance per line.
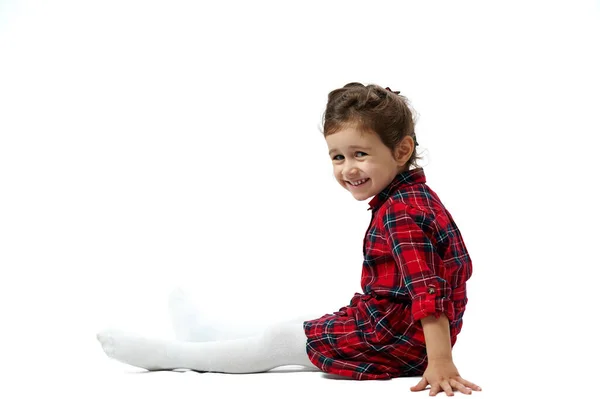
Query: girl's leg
x=278, y=345
x=192, y=325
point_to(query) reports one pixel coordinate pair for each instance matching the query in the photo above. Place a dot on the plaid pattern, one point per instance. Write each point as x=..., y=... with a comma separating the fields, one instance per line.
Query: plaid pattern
x=415, y=265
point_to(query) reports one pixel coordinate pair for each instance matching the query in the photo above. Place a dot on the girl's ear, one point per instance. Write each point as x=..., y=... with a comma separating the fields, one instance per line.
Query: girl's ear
x=404, y=150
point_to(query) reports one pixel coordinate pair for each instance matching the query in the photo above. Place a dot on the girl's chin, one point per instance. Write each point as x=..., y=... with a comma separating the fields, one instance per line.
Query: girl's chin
x=361, y=196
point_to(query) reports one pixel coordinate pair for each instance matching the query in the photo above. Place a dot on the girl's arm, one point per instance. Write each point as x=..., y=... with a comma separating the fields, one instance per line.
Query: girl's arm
x=441, y=374
x=437, y=338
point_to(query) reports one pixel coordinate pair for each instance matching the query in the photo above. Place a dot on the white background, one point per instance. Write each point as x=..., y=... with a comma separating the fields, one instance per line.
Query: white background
x=146, y=145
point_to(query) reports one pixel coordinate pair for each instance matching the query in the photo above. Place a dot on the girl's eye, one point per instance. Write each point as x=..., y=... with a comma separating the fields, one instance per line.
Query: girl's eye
x=358, y=154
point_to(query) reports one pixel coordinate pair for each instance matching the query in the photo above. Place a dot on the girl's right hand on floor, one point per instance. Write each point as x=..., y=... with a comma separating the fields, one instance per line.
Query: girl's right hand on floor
x=443, y=376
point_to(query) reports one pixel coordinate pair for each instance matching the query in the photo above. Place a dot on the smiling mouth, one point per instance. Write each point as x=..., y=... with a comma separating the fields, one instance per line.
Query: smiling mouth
x=358, y=183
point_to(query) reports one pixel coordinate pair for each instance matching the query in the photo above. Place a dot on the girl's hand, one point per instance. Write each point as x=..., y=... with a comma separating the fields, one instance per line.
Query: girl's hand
x=442, y=375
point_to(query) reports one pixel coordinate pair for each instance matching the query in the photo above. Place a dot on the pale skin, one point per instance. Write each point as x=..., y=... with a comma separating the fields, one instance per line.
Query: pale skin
x=357, y=156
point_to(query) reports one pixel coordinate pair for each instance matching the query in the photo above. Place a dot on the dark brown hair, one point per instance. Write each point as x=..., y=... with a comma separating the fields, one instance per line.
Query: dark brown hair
x=374, y=109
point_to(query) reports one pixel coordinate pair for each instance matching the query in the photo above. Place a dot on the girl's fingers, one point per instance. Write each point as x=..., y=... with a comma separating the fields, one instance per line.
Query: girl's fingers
x=420, y=386
x=460, y=387
x=468, y=384
x=447, y=388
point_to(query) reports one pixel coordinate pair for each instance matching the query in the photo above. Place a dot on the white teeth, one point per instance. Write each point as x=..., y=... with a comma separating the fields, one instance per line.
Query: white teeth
x=359, y=182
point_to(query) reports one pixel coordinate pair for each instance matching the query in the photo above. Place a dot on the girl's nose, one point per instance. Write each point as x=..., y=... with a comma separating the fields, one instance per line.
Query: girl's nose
x=350, y=171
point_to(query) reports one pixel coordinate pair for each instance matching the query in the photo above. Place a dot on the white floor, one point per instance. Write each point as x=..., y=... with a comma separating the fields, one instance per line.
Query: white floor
x=286, y=382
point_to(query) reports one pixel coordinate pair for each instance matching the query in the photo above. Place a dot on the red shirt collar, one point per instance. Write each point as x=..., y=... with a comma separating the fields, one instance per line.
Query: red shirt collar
x=406, y=178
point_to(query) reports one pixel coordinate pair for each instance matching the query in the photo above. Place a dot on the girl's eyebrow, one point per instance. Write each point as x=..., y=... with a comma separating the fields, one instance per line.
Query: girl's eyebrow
x=352, y=147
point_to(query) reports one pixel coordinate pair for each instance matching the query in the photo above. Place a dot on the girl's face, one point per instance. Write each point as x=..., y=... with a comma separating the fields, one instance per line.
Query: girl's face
x=362, y=164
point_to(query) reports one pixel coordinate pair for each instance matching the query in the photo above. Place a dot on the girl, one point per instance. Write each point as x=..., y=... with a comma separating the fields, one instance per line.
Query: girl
x=414, y=274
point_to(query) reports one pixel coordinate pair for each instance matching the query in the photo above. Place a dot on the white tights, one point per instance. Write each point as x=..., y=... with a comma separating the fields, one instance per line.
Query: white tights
x=277, y=345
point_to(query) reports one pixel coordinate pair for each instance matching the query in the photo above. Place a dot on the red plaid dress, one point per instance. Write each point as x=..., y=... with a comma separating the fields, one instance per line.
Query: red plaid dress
x=415, y=265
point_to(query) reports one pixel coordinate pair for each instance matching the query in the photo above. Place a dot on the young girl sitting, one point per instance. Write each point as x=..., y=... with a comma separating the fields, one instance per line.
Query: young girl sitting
x=414, y=273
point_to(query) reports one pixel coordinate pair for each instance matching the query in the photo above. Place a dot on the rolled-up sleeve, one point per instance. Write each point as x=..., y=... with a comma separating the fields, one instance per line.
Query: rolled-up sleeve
x=417, y=259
